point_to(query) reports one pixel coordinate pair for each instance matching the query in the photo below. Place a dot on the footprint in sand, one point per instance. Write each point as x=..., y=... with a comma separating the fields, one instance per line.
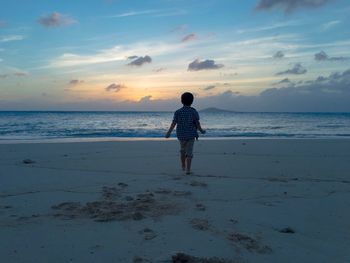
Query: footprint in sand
x=163, y=191
x=200, y=224
x=249, y=243
x=148, y=233
x=287, y=230
x=200, y=207
x=28, y=161
x=123, y=185
x=198, y=183
x=140, y=260
x=110, y=192
x=182, y=257
x=182, y=193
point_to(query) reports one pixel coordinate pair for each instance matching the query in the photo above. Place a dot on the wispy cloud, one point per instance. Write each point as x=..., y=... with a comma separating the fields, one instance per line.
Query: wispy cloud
x=178, y=12
x=75, y=82
x=152, y=12
x=117, y=53
x=189, y=37
x=330, y=24
x=21, y=74
x=283, y=81
x=180, y=28
x=157, y=70
x=210, y=87
x=11, y=38
x=56, y=20
x=289, y=6
x=270, y=27
x=134, y=13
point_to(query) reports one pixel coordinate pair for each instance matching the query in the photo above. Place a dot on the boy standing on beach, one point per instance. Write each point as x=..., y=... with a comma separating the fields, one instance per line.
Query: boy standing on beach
x=187, y=121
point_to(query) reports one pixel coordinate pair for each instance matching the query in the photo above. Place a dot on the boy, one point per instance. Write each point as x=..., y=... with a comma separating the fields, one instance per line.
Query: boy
x=187, y=121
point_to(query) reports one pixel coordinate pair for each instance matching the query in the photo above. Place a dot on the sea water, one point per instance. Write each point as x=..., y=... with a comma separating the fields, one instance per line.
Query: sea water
x=19, y=125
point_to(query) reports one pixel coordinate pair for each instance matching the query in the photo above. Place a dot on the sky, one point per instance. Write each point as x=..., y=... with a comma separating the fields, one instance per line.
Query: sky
x=252, y=55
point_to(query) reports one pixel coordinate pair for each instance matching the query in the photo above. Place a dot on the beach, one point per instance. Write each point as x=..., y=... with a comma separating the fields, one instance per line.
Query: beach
x=248, y=200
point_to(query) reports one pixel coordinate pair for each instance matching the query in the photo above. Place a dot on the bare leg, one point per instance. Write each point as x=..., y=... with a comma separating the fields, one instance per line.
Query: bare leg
x=188, y=165
x=183, y=161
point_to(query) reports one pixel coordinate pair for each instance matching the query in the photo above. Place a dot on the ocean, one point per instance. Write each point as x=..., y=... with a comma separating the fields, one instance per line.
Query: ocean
x=20, y=125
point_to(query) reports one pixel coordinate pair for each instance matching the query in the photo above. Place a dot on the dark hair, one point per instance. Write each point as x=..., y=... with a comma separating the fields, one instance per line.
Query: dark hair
x=187, y=99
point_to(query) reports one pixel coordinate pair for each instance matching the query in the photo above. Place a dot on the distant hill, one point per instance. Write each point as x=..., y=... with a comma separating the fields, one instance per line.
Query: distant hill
x=215, y=110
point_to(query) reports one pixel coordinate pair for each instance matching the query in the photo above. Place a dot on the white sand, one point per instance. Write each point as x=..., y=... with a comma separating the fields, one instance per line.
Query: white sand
x=242, y=194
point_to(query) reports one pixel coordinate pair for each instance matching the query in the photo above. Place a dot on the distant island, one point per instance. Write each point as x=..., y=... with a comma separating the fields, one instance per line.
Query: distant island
x=215, y=110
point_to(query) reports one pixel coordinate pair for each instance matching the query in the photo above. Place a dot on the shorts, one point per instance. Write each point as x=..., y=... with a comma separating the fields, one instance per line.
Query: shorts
x=187, y=147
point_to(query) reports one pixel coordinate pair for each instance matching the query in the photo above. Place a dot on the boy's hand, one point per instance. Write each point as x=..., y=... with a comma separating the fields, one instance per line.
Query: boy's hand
x=167, y=135
x=203, y=131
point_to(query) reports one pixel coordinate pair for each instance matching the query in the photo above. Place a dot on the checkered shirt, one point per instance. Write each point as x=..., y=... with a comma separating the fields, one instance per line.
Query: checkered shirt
x=186, y=119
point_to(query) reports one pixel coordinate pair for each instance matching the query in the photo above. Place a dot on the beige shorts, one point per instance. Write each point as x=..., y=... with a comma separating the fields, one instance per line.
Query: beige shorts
x=187, y=147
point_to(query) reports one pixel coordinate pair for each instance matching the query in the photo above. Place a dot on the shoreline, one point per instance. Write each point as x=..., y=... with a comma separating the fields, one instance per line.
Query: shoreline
x=135, y=139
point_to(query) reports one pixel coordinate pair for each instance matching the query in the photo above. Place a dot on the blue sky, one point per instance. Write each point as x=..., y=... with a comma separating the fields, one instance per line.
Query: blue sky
x=253, y=55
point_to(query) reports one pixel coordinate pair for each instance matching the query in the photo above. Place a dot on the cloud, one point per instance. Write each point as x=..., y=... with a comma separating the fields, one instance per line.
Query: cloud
x=134, y=13
x=159, y=70
x=115, y=87
x=323, y=94
x=209, y=87
x=152, y=12
x=289, y=6
x=330, y=24
x=11, y=38
x=298, y=69
x=283, y=81
x=145, y=99
x=21, y=74
x=189, y=37
x=56, y=20
x=278, y=55
x=176, y=12
x=74, y=82
x=140, y=61
x=180, y=28
x=208, y=64
x=132, y=57
x=229, y=75
x=270, y=27
x=116, y=53
x=322, y=56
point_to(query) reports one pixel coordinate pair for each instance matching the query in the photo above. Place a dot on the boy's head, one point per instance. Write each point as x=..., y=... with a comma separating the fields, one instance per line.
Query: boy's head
x=187, y=99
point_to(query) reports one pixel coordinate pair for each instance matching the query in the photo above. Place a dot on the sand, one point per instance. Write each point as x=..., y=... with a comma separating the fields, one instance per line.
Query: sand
x=129, y=201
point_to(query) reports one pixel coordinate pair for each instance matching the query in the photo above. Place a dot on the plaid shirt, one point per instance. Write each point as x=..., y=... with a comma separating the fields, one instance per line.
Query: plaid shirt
x=186, y=119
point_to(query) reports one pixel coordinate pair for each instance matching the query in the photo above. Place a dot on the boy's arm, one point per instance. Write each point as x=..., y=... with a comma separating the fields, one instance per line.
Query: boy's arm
x=172, y=126
x=198, y=124
x=199, y=127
